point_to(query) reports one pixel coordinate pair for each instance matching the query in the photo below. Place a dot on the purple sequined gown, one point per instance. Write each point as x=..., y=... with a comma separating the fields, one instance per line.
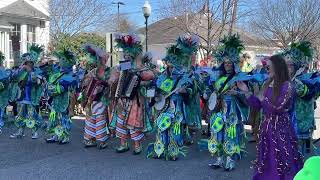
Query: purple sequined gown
x=277, y=149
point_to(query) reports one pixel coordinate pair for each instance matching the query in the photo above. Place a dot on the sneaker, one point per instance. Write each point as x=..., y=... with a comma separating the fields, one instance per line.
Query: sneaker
x=123, y=148
x=102, y=145
x=89, y=143
x=137, y=151
x=52, y=139
x=35, y=135
x=64, y=141
x=218, y=163
x=18, y=134
x=230, y=164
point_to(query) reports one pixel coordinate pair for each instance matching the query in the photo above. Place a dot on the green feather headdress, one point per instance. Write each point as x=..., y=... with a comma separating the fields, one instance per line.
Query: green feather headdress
x=180, y=54
x=92, y=53
x=188, y=44
x=2, y=57
x=231, y=48
x=300, y=52
x=66, y=58
x=33, y=54
x=130, y=44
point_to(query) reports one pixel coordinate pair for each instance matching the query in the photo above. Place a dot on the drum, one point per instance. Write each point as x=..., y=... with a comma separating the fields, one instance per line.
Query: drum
x=212, y=101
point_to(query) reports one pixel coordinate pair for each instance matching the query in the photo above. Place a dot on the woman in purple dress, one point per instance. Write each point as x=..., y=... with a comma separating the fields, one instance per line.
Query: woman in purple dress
x=278, y=157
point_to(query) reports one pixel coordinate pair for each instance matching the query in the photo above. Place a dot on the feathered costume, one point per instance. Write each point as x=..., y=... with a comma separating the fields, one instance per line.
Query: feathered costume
x=300, y=54
x=182, y=108
x=61, y=85
x=29, y=82
x=226, y=120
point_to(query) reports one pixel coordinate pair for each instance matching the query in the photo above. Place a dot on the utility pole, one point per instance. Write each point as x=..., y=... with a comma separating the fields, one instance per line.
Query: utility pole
x=234, y=15
x=118, y=3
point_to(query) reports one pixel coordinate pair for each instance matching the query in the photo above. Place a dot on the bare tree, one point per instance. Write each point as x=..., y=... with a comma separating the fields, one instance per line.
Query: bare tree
x=125, y=25
x=209, y=19
x=283, y=21
x=69, y=17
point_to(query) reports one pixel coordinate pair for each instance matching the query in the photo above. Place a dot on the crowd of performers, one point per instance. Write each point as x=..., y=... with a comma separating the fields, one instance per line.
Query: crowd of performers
x=136, y=98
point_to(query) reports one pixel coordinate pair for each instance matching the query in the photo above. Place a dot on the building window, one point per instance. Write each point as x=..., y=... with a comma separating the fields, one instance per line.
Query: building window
x=31, y=34
x=14, y=39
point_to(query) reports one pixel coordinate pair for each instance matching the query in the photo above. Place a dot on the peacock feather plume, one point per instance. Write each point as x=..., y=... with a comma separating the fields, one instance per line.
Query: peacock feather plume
x=300, y=52
x=231, y=48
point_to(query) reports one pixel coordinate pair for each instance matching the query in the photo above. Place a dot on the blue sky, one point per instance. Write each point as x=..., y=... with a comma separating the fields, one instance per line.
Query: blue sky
x=133, y=9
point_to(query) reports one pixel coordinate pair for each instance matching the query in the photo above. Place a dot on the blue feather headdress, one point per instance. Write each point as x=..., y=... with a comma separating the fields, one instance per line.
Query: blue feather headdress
x=66, y=58
x=33, y=54
x=300, y=53
x=231, y=48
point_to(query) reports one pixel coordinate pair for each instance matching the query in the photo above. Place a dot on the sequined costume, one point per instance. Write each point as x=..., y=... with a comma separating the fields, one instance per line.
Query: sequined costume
x=278, y=156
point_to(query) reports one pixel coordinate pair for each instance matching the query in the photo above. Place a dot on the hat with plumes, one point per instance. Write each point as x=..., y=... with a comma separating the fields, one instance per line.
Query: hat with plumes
x=188, y=44
x=300, y=53
x=2, y=57
x=66, y=58
x=93, y=53
x=130, y=44
x=231, y=48
x=33, y=54
x=181, y=53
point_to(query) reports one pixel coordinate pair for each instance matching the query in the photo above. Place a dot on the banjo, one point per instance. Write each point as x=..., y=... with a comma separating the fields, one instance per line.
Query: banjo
x=163, y=103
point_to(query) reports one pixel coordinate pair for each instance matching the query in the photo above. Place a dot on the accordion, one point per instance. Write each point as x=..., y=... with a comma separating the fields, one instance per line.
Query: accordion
x=128, y=84
x=94, y=91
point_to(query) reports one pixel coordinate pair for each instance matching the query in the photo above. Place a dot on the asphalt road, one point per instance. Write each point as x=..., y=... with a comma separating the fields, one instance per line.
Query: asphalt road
x=24, y=159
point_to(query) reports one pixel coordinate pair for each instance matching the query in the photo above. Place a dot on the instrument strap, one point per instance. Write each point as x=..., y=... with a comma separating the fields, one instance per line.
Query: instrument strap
x=225, y=83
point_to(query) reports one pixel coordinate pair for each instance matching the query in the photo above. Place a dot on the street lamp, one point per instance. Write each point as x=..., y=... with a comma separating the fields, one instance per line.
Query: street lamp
x=146, y=9
x=118, y=3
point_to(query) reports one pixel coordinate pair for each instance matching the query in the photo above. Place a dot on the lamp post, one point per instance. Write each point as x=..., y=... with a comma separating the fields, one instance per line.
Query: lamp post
x=146, y=9
x=118, y=3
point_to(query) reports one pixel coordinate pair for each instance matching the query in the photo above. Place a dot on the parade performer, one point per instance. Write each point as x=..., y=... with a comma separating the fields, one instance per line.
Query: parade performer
x=278, y=156
x=30, y=83
x=298, y=57
x=175, y=103
x=227, y=129
x=96, y=98
x=4, y=90
x=129, y=117
x=60, y=86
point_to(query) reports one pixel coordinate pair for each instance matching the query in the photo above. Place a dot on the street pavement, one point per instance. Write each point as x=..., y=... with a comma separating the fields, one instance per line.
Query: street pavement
x=24, y=159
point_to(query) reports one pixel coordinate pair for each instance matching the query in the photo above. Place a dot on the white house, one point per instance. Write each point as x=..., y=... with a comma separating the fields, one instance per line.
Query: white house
x=22, y=22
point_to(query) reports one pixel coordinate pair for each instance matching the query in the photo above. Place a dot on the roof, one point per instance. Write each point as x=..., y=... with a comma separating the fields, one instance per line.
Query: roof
x=23, y=9
x=166, y=31
x=5, y=25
